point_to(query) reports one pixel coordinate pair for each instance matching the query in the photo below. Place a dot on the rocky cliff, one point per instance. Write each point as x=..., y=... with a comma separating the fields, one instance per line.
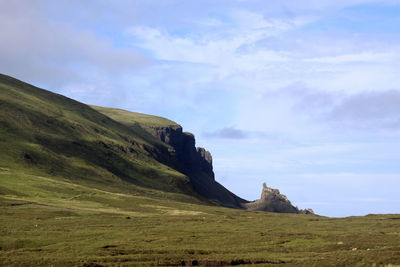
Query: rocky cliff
x=195, y=162
x=177, y=149
x=272, y=200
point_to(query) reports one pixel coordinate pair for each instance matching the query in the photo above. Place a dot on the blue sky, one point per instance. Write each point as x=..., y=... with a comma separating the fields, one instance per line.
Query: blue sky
x=303, y=95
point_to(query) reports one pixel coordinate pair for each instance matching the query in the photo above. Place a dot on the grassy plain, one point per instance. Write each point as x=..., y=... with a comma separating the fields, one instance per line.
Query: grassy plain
x=53, y=222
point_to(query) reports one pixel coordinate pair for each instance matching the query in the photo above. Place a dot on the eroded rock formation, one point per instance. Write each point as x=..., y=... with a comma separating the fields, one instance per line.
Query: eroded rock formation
x=196, y=163
x=272, y=200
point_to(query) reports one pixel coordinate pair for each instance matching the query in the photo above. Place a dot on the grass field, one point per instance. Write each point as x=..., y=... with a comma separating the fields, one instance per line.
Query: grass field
x=49, y=222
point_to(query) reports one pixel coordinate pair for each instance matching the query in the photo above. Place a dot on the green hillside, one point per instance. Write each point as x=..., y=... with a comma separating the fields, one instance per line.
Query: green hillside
x=132, y=118
x=78, y=188
x=48, y=134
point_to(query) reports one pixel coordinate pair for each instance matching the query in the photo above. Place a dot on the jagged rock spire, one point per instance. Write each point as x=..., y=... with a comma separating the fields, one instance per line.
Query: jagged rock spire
x=272, y=200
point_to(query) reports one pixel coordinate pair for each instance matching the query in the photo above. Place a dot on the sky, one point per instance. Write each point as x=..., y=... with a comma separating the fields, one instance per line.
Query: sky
x=302, y=95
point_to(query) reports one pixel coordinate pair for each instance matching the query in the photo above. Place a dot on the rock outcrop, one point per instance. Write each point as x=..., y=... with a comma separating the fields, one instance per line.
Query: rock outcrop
x=306, y=211
x=194, y=162
x=272, y=200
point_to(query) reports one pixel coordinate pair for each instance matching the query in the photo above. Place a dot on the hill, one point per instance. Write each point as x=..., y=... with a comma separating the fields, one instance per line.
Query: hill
x=196, y=163
x=90, y=186
x=51, y=134
x=182, y=155
x=46, y=133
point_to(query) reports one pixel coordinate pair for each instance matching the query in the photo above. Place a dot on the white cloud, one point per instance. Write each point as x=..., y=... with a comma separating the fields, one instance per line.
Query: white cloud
x=221, y=48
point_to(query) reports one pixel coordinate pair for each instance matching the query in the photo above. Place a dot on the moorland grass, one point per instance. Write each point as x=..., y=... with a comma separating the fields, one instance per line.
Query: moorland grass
x=45, y=221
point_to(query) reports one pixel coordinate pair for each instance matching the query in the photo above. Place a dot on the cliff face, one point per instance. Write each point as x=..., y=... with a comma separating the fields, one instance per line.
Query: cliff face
x=272, y=200
x=177, y=149
x=194, y=162
x=186, y=157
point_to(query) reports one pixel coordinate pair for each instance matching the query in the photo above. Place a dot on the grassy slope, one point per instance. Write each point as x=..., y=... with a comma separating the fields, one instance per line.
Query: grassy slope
x=61, y=205
x=46, y=133
x=131, y=118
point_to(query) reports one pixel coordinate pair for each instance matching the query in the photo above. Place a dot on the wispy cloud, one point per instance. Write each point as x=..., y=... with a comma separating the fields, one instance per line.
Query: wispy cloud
x=364, y=57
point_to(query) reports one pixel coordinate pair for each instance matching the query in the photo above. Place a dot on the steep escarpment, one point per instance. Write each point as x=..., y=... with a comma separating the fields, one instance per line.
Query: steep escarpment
x=195, y=162
x=190, y=158
x=177, y=149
